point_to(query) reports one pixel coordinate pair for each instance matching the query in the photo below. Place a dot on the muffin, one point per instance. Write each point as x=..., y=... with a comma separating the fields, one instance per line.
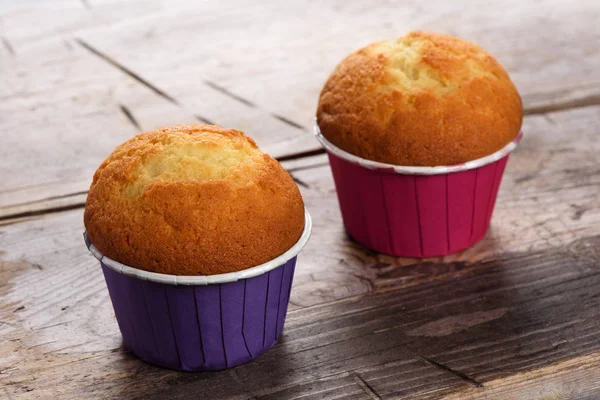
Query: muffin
x=418, y=131
x=424, y=99
x=197, y=233
x=192, y=200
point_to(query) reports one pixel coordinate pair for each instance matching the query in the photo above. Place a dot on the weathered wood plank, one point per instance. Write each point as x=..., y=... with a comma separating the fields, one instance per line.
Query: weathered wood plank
x=291, y=48
x=576, y=379
x=29, y=23
x=61, y=119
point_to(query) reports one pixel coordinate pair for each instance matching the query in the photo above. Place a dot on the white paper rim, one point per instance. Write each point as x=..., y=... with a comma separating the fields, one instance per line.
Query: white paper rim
x=202, y=280
x=406, y=170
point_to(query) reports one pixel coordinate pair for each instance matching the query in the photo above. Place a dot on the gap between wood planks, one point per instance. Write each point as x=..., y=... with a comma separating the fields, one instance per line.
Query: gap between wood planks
x=9, y=47
x=364, y=385
x=458, y=374
x=586, y=101
x=162, y=93
x=50, y=205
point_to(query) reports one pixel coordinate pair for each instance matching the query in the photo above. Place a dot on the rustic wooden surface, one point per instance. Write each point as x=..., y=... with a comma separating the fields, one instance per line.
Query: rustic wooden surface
x=514, y=317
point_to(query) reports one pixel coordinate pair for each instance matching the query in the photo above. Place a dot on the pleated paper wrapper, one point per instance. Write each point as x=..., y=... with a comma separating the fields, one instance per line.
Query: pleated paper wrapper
x=201, y=323
x=416, y=211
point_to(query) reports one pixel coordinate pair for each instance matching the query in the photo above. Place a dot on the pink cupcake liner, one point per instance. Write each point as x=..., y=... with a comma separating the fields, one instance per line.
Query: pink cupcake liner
x=201, y=323
x=416, y=211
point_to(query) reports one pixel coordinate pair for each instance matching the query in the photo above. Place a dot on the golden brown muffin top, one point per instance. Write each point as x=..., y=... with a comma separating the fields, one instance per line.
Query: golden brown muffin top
x=424, y=99
x=192, y=200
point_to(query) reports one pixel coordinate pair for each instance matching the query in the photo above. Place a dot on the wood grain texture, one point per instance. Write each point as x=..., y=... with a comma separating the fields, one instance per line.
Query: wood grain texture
x=577, y=378
x=299, y=43
x=361, y=324
x=27, y=24
x=66, y=106
x=58, y=126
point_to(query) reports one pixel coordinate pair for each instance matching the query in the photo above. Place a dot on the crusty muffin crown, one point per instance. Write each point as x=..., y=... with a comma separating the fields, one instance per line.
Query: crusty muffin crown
x=192, y=200
x=188, y=153
x=423, y=99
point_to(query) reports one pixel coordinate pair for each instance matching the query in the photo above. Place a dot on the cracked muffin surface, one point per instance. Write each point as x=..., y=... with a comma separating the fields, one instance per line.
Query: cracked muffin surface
x=192, y=200
x=424, y=99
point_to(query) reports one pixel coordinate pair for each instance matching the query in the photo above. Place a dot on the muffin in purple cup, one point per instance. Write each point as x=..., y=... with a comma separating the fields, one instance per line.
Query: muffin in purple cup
x=197, y=232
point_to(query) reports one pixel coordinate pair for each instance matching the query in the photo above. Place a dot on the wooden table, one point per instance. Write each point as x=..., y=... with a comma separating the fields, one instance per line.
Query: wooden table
x=514, y=317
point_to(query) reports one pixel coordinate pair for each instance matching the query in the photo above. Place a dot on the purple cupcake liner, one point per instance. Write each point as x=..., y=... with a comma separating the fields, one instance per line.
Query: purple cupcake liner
x=201, y=323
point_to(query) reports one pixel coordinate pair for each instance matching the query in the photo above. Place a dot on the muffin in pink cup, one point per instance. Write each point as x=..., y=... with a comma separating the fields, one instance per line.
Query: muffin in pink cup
x=418, y=132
